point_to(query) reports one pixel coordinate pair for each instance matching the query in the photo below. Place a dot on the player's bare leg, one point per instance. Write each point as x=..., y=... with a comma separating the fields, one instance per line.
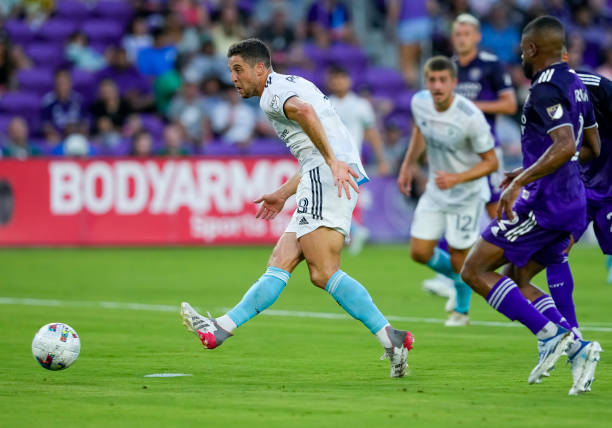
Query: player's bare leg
x=286, y=255
x=491, y=208
x=321, y=249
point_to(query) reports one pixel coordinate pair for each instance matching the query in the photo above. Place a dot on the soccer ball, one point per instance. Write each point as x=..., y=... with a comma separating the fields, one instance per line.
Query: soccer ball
x=56, y=346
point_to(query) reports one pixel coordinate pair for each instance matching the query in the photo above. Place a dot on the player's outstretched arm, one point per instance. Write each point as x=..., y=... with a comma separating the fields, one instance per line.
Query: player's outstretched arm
x=373, y=136
x=415, y=149
x=303, y=113
x=273, y=203
x=591, y=145
x=561, y=151
x=488, y=164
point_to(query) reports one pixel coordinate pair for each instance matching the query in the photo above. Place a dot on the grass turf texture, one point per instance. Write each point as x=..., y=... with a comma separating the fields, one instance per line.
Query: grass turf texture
x=276, y=371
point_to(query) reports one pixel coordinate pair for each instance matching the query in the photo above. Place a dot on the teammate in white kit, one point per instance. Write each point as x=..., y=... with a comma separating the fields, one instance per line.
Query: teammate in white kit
x=358, y=116
x=460, y=150
x=326, y=193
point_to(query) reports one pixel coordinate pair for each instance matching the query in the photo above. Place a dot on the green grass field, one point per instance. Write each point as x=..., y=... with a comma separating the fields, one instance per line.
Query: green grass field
x=278, y=371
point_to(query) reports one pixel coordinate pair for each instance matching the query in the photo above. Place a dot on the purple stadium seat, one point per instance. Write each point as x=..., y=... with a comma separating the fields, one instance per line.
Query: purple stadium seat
x=57, y=29
x=119, y=10
x=36, y=80
x=348, y=56
x=84, y=82
x=402, y=100
x=220, y=149
x=315, y=54
x=46, y=54
x=97, y=30
x=5, y=119
x=74, y=9
x=385, y=79
x=19, y=31
x=315, y=76
x=20, y=103
x=268, y=147
x=153, y=124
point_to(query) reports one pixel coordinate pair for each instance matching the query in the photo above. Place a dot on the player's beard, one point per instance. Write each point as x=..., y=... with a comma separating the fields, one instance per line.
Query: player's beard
x=527, y=69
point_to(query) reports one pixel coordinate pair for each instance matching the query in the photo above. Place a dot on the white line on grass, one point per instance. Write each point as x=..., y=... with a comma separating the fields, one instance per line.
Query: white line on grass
x=599, y=326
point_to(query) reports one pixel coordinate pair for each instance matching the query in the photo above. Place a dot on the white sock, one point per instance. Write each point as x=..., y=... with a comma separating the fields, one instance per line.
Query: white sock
x=226, y=323
x=548, y=331
x=383, y=337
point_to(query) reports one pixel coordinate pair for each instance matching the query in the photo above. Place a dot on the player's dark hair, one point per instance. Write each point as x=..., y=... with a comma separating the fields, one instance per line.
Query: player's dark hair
x=441, y=63
x=544, y=23
x=252, y=51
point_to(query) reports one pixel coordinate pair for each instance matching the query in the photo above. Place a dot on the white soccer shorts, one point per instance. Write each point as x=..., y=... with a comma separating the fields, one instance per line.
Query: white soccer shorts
x=459, y=226
x=318, y=204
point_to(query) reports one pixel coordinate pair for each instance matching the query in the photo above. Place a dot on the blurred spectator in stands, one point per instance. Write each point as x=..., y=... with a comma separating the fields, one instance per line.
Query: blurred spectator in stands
x=82, y=55
x=329, y=21
x=133, y=86
x=188, y=108
x=208, y=63
x=37, y=11
x=410, y=25
x=133, y=125
x=395, y=146
x=63, y=112
x=278, y=35
x=605, y=69
x=192, y=12
x=499, y=36
x=174, y=143
x=357, y=114
x=228, y=29
x=575, y=50
x=75, y=145
x=7, y=66
x=17, y=142
x=138, y=38
x=109, y=112
x=7, y=7
x=211, y=91
x=592, y=34
x=159, y=58
x=186, y=39
x=164, y=88
x=233, y=120
x=142, y=144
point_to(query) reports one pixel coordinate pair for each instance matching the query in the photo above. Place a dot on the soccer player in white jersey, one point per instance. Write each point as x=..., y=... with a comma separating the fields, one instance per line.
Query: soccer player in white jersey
x=460, y=150
x=358, y=116
x=326, y=193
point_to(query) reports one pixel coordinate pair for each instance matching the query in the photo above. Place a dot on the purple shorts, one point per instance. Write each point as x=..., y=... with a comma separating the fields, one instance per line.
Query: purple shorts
x=600, y=213
x=523, y=239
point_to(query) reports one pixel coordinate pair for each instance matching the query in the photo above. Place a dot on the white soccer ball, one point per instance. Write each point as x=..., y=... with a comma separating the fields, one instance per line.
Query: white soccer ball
x=56, y=346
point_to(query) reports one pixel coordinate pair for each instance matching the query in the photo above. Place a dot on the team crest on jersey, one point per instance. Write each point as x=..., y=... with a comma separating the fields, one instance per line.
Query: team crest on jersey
x=275, y=104
x=475, y=73
x=555, y=112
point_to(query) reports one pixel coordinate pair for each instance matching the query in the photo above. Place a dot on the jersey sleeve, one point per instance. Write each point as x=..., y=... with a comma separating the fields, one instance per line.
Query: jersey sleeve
x=551, y=106
x=280, y=91
x=416, y=106
x=500, y=78
x=590, y=121
x=479, y=133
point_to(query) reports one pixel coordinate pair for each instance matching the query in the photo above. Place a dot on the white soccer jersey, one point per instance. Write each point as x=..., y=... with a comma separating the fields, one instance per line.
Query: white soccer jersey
x=279, y=88
x=454, y=139
x=356, y=113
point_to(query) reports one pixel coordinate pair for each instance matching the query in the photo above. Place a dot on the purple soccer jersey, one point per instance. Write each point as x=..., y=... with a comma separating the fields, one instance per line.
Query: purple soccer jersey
x=557, y=98
x=482, y=80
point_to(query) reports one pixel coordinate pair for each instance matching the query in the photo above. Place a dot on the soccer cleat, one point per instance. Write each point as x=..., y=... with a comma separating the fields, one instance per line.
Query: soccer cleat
x=398, y=354
x=549, y=351
x=451, y=303
x=358, y=239
x=584, y=363
x=440, y=285
x=457, y=319
x=206, y=328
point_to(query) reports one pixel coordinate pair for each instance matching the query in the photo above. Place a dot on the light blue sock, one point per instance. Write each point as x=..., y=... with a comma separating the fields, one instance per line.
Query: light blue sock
x=260, y=296
x=609, y=264
x=440, y=262
x=355, y=299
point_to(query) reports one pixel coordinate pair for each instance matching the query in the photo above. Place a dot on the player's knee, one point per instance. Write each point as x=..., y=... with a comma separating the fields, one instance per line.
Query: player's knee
x=420, y=255
x=469, y=272
x=320, y=277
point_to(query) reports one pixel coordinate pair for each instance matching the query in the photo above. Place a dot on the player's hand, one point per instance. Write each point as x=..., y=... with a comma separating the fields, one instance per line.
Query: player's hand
x=404, y=180
x=509, y=176
x=342, y=178
x=507, y=199
x=446, y=180
x=271, y=205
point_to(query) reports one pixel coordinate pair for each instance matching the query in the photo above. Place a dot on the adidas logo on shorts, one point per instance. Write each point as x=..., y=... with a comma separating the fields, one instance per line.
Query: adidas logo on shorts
x=303, y=221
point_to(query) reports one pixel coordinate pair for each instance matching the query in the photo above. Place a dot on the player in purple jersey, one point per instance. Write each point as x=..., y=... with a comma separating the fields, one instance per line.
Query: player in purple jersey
x=533, y=231
x=483, y=80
